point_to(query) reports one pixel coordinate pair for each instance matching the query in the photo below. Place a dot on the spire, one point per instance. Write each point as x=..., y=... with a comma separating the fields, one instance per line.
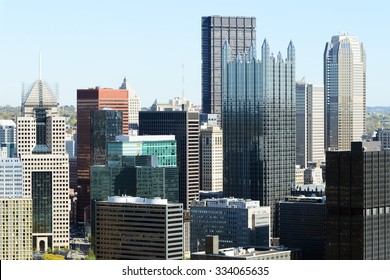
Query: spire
x=226, y=52
x=124, y=84
x=252, y=51
x=291, y=52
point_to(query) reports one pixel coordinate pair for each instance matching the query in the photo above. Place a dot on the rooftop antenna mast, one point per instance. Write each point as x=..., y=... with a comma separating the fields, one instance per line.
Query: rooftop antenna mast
x=40, y=70
x=182, y=66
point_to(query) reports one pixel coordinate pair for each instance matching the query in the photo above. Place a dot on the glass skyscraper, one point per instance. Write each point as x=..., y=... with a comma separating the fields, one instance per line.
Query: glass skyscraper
x=259, y=126
x=240, y=32
x=345, y=92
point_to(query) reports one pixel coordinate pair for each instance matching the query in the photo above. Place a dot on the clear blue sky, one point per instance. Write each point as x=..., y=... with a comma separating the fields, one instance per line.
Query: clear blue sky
x=87, y=43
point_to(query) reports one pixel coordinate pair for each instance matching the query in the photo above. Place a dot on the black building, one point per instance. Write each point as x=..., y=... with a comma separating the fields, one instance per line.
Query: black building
x=185, y=126
x=240, y=32
x=358, y=203
x=302, y=225
x=106, y=124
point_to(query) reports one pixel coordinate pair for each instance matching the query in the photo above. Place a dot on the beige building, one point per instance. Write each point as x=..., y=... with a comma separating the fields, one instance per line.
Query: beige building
x=41, y=147
x=211, y=142
x=134, y=105
x=15, y=213
x=345, y=92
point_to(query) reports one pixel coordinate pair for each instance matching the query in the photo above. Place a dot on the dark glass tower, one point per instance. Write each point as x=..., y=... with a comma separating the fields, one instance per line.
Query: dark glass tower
x=259, y=126
x=240, y=32
x=358, y=203
x=185, y=126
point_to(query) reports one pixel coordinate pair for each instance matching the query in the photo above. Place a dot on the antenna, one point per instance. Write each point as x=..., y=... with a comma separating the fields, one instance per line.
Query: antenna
x=182, y=66
x=40, y=71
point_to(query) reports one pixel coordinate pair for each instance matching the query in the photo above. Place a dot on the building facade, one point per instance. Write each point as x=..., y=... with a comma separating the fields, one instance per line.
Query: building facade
x=302, y=225
x=7, y=131
x=345, y=92
x=134, y=105
x=237, y=222
x=240, y=32
x=259, y=126
x=358, y=203
x=41, y=148
x=309, y=130
x=211, y=147
x=134, y=228
x=89, y=100
x=184, y=126
x=383, y=135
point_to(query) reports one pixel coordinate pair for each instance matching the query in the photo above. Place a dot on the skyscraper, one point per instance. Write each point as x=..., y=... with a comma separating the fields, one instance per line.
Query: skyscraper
x=185, y=126
x=89, y=100
x=259, y=126
x=345, y=92
x=358, y=202
x=240, y=32
x=134, y=105
x=41, y=147
x=309, y=123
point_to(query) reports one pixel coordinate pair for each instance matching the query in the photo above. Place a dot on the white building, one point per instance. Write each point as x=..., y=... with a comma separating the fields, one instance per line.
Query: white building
x=134, y=105
x=309, y=123
x=15, y=213
x=237, y=222
x=139, y=229
x=345, y=92
x=211, y=141
x=41, y=147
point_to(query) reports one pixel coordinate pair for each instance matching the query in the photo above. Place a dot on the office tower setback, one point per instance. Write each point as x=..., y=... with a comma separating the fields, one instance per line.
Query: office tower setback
x=185, y=127
x=309, y=123
x=302, y=225
x=211, y=159
x=41, y=148
x=134, y=105
x=88, y=101
x=358, y=203
x=345, y=92
x=134, y=228
x=237, y=222
x=259, y=126
x=240, y=33
x=15, y=212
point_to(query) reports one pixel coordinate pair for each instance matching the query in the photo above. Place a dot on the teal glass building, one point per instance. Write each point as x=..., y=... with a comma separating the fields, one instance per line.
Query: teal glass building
x=258, y=117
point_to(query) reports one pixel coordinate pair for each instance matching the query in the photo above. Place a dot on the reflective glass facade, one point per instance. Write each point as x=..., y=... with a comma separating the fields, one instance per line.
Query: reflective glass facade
x=240, y=32
x=42, y=202
x=259, y=126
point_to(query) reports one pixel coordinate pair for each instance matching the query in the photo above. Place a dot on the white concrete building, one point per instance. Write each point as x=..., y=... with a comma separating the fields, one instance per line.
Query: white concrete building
x=41, y=147
x=211, y=141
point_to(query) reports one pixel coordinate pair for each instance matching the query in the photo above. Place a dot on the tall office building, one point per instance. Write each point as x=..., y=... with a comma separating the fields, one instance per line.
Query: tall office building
x=309, y=129
x=259, y=126
x=237, y=222
x=358, y=202
x=302, y=225
x=15, y=212
x=134, y=228
x=240, y=32
x=134, y=105
x=41, y=147
x=345, y=92
x=185, y=126
x=211, y=144
x=88, y=101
